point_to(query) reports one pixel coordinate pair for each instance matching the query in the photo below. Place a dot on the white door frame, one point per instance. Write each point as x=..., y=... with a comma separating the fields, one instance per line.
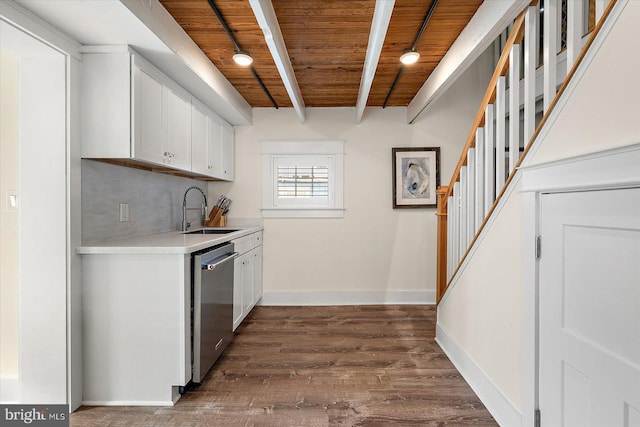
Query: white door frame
x=606, y=170
x=20, y=18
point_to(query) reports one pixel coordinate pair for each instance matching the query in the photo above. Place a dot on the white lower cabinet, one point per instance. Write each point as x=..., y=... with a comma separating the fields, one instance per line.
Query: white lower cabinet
x=257, y=274
x=136, y=326
x=247, y=284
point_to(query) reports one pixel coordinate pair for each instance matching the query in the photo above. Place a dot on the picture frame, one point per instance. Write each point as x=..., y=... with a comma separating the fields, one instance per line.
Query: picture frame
x=415, y=176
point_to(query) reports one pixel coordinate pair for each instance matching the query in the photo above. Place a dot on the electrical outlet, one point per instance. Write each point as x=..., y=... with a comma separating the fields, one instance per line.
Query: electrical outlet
x=124, y=212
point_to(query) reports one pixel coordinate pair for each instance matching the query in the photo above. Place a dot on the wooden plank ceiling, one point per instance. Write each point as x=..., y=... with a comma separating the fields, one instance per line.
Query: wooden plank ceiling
x=327, y=43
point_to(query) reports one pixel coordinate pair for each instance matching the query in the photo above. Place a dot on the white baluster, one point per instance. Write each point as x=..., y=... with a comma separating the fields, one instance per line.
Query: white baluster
x=550, y=51
x=450, y=236
x=479, y=205
x=575, y=30
x=501, y=133
x=601, y=5
x=456, y=224
x=530, y=64
x=489, y=156
x=463, y=211
x=471, y=195
x=514, y=107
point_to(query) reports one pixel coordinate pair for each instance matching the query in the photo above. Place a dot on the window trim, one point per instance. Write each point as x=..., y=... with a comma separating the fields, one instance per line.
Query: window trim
x=274, y=150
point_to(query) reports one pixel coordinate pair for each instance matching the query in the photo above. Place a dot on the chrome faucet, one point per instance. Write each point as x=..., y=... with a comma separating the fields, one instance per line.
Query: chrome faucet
x=185, y=225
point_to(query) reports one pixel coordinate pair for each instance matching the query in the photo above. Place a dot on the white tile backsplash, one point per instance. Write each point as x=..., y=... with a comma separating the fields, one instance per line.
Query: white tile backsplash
x=155, y=201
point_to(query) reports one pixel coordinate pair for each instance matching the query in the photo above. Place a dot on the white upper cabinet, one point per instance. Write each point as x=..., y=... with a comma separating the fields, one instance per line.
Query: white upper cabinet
x=228, y=141
x=206, y=141
x=214, y=147
x=177, y=129
x=199, y=136
x=135, y=113
x=147, y=118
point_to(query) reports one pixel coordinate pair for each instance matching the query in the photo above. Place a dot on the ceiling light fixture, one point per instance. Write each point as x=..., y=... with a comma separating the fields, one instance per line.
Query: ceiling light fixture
x=409, y=57
x=243, y=58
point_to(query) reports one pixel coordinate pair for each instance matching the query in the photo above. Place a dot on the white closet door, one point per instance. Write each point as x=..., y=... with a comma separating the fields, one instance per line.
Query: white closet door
x=590, y=309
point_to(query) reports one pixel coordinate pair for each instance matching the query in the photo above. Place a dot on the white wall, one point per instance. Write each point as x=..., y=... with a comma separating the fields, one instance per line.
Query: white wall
x=374, y=254
x=483, y=311
x=9, y=280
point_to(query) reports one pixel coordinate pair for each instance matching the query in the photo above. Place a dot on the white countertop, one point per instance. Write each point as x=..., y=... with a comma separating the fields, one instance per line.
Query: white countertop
x=172, y=242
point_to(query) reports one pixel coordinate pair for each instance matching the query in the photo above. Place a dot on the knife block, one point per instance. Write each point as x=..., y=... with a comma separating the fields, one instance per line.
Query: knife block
x=216, y=218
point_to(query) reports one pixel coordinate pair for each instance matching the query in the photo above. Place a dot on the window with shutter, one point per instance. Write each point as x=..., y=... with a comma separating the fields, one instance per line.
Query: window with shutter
x=302, y=179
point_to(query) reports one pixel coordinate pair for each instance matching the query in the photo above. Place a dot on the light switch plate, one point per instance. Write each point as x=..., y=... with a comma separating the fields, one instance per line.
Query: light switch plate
x=124, y=212
x=12, y=201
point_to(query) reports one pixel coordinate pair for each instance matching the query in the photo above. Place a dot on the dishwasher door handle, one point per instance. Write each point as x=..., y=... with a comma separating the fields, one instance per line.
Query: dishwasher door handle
x=212, y=266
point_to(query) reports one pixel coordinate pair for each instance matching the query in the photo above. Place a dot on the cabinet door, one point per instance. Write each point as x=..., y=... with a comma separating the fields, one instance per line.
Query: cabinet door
x=178, y=130
x=247, y=282
x=228, y=138
x=257, y=274
x=147, y=120
x=199, y=140
x=238, y=291
x=214, y=147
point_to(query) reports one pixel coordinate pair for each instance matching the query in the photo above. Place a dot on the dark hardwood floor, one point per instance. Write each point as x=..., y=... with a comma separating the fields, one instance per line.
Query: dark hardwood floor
x=321, y=366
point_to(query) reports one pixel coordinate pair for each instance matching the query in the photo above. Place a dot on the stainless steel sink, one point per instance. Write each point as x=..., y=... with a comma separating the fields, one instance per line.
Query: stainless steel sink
x=210, y=231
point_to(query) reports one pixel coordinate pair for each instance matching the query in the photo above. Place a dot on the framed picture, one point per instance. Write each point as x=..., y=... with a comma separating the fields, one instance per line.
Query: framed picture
x=416, y=176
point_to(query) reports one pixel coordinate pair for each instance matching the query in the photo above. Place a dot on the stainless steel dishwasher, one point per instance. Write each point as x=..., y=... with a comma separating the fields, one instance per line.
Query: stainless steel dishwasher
x=212, y=306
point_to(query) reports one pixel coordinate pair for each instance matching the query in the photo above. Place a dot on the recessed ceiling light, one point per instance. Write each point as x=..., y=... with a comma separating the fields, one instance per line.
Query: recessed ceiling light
x=243, y=58
x=410, y=57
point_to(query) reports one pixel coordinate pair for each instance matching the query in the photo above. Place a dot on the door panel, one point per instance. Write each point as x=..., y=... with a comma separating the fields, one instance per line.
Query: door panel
x=199, y=139
x=148, y=101
x=589, y=316
x=178, y=130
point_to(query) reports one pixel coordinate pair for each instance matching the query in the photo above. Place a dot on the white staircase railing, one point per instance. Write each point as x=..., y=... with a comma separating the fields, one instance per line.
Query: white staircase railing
x=521, y=92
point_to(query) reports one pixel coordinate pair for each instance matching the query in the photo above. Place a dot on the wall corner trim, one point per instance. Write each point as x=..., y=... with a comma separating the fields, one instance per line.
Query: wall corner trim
x=497, y=404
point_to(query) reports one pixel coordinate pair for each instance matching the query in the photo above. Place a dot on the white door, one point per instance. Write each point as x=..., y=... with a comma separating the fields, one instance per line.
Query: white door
x=36, y=175
x=590, y=309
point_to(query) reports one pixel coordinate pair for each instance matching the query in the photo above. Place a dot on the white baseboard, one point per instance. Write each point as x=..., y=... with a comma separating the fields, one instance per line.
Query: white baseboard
x=348, y=298
x=497, y=404
x=127, y=403
x=9, y=390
